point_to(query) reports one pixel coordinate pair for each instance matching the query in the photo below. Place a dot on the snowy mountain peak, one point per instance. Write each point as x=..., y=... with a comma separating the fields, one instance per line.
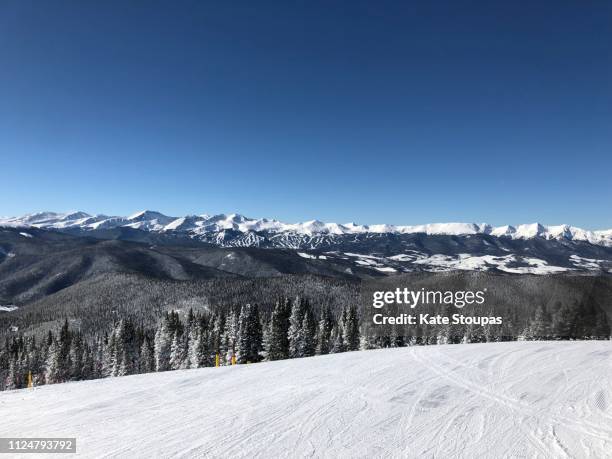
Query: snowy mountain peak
x=149, y=215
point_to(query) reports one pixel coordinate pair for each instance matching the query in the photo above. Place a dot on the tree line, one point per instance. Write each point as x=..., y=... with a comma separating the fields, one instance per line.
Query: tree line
x=292, y=329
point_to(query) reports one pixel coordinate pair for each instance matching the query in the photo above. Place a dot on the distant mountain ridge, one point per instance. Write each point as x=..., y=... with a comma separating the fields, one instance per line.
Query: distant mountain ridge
x=354, y=250
x=221, y=228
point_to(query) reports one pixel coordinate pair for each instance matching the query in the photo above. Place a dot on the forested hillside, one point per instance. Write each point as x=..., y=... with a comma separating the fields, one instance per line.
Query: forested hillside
x=292, y=329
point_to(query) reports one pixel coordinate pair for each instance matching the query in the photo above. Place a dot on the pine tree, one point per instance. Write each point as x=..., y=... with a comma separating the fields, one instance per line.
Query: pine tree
x=12, y=379
x=324, y=332
x=163, y=341
x=217, y=327
x=295, y=334
x=230, y=337
x=147, y=356
x=306, y=341
x=278, y=339
x=366, y=343
x=177, y=354
x=350, y=330
x=76, y=358
x=87, y=368
x=265, y=340
x=127, y=337
x=200, y=353
x=602, y=327
x=65, y=339
x=564, y=322
x=338, y=341
x=249, y=335
x=191, y=319
x=53, y=371
x=540, y=325
x=193, y=354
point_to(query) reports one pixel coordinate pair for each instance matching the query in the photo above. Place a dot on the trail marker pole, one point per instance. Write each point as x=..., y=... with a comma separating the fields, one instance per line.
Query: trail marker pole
x=30, y=384
x=217, y=360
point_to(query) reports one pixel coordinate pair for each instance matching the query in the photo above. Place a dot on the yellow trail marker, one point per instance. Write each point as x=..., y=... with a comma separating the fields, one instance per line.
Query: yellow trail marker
x=233, y=360
x=30, y=384
x=217, y=360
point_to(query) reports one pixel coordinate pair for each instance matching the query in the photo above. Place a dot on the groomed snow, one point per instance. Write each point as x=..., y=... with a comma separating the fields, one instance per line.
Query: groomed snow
x=521, y=399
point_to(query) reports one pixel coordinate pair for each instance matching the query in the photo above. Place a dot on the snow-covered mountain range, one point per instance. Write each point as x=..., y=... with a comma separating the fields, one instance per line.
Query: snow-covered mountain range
x=352, y=248
x=294, y=234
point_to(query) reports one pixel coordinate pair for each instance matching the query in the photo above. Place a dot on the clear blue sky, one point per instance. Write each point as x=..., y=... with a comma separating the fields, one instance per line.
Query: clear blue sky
x=396, y=112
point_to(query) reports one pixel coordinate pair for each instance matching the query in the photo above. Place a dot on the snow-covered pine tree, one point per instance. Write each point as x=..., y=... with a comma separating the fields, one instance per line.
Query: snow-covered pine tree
x=177, y=353
x=53, y=371
x=87, y=363
x=163, y=341
x=350, y=331
x=12, y=379
x=601, y=329
x=265, y=338
x=365, y=343
x=111, y=360
x=564, y=322
x=278, y=339
x=76, y=358
x=65, y=338
x=217, y=327
x=295, y=334
x=229, y=338
x=337, y=340
x=306, y=341
x=539, y=328
x=198, y=347
x=147, y=356
x=34, y=359
x=99, y=355
x=191, y=318
x=249, y=335
x=324, y=332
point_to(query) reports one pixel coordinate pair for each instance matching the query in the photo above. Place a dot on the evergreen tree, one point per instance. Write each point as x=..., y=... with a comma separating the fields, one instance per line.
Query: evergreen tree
x=197, y=348
x=163, y=341
x=147, y=356
x=278, y=339
x=53, y=370
x=65, y=339
x=87, y=362
x=306, y=341
x=337, y=339
x=76, y=358
x=295, y=335
x=350, y=330
x=324, y=332
x=564, y=322
x=249, y=335
x=540, y=325
x=230, y=338
x=177, y=353
x=217, y=326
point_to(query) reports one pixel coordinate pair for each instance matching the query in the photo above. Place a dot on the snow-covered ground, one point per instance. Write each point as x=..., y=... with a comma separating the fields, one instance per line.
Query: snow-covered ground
x=522, y=399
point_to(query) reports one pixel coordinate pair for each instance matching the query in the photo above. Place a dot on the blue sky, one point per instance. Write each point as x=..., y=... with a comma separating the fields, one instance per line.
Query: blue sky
x=395, y=112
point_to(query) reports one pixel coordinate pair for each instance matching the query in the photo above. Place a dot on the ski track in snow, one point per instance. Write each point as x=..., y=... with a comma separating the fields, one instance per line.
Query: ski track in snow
x=521, y=399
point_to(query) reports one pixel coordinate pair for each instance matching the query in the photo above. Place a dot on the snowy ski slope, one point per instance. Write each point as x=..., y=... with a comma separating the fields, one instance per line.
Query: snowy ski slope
x=521, y=399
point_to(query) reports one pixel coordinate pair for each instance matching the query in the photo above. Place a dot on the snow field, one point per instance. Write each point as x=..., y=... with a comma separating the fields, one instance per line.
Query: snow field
x=518, y=399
